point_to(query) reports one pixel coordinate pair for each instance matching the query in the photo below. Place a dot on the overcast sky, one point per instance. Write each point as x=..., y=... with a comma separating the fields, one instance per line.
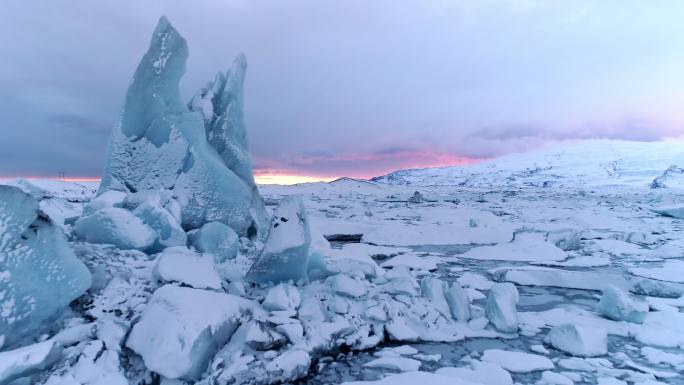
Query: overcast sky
x=350, y=87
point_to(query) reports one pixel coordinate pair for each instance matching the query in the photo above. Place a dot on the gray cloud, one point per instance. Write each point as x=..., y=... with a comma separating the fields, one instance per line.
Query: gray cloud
x=350, y=87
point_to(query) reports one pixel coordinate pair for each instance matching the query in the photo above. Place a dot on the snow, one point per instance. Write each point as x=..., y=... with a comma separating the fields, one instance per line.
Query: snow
x=160, y=144
x=581, y=341
x=412, y=378
x=182, y=328
x=216, y=239
x=178, y=264
x=165, y=225
x=617, y=305
x=115, y=226
x=501, y=307
x=282, y=297
x=39, y=274
x=400, y=364
x=517, y=362
x=286, y=253
x=525, y=246
x=344, y=285
x=485, y=373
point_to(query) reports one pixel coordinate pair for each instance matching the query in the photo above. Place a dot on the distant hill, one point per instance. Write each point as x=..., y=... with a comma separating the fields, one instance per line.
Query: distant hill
x=584, y=163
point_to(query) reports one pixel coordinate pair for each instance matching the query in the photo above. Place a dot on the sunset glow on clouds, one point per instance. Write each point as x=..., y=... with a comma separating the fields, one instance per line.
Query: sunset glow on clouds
x=351, y=88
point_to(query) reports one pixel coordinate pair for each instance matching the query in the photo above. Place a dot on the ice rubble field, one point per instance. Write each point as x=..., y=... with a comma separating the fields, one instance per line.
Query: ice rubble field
x=509, y=283
x=562, y=266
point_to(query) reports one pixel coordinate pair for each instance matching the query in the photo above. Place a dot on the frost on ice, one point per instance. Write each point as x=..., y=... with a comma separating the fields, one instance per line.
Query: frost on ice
x=39, y=273
x=200, y=160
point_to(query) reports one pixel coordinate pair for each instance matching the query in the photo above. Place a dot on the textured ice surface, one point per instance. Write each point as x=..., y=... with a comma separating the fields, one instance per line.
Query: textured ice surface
x=39, y=273
x=577, y=340
x=286, y=253
x=116, y=226
x=182, y=328
x=216, y=239
x=618, y=305
x=178, y=264
x=485, y=373
x=161, y=144
x=501, y=307
x=518, y=362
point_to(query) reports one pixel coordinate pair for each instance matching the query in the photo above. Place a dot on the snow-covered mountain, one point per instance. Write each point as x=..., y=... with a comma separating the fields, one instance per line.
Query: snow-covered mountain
x=590, y=162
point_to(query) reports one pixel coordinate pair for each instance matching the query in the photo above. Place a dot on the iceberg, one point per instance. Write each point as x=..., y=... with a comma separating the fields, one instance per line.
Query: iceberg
x=39, y=274
x=501, y=307
x=286, y=253
x=160, y=144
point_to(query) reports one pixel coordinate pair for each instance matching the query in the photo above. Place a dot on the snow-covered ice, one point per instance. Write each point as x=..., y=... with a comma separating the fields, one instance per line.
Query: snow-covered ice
x=182, y=328
x=518, y=362
x=577, y=340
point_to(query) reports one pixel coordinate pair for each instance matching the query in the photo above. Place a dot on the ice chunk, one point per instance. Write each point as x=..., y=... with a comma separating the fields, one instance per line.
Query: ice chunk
x=582, y=341
x=115, y=226
x=433, y=289
x=501, y=307
x=178, y=264
x=260, y=336
x=286, y=253
x=39, y=273
x=167, y=229
x=617, y=305
x=400, y=364
x=553, y=378
x=344, y=285
x=485, y=373
x=182, y=328
x=28, y=360
x=288, y=366
x=458, y=302
x=216, y=239
x=282, y=297
x=517, y=362
x=105, y=200
x=160, y=144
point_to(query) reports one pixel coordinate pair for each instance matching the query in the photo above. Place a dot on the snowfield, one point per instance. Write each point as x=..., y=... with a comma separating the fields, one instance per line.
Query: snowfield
x=560, y=266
